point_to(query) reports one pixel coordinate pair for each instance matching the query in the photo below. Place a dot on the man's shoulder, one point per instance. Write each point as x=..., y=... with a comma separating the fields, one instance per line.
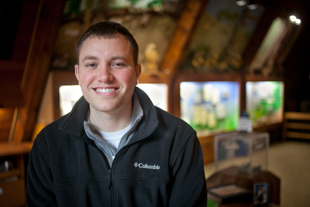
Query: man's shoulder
x=53, y=127
x=172, y=119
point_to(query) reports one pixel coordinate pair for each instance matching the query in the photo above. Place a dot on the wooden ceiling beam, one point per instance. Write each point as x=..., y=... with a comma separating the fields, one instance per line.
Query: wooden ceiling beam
x=37, y=67
x=182, y=35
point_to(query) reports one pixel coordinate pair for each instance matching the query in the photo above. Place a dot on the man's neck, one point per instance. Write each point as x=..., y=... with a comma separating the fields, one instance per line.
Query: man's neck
x=111, y=121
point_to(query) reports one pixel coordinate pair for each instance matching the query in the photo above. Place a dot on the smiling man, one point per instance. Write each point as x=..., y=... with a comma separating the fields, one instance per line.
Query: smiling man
x=115, y=148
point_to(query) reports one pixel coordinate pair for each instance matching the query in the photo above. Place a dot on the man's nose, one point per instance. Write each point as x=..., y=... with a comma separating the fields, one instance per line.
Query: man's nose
x=105, y=74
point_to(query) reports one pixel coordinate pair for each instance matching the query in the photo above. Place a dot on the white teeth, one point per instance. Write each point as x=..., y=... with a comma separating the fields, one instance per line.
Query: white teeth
x=102, y=90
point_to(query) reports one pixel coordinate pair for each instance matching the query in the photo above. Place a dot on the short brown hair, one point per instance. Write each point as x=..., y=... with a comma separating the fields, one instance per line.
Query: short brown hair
x=109, y=30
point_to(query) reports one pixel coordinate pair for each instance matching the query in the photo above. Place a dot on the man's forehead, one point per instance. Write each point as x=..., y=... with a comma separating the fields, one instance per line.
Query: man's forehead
x=94, y=57
x=105, y=37
x=88, y=55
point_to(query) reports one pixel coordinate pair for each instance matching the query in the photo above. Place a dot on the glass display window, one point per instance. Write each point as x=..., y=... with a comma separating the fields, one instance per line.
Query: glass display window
x=211, y=106
x=68, y=96
x=264, y=102
x=158, y=93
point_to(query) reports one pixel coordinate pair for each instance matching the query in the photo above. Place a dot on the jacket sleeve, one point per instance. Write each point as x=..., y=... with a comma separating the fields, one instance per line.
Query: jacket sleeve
x=39, y=191
x=189, y=183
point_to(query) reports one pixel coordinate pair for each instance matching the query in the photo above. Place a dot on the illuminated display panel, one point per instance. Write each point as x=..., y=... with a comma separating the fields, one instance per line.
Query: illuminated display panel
x=211, y=106
x=68, y=96
x=264, y=102
x=158, y=93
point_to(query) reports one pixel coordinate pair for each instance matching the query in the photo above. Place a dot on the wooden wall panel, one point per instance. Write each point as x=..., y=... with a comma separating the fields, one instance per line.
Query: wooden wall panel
x=23, y=76
x=6, y=118
x=37, y=66
x=12, y=69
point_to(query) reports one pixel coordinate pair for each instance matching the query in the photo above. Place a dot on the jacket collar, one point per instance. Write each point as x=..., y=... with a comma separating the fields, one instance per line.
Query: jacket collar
x=73, y=122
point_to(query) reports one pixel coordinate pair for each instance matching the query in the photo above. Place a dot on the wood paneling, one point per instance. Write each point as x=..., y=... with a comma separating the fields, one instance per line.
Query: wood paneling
x=23, y=76
x=37, y=66
x=12, y=69
x=6, y=118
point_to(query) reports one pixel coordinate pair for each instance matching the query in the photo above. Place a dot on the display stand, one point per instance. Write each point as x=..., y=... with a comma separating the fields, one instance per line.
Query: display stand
x=232, y=176
x=249, y=151
x=241, y=160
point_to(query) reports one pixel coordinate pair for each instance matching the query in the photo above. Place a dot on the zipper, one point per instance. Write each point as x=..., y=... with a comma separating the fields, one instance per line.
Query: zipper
x=116, y=156
x=110, y=187
x=110, y=184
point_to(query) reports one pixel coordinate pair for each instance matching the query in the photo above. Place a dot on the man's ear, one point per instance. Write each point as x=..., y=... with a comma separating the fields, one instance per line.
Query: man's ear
x=76, y=71
x=138, y=73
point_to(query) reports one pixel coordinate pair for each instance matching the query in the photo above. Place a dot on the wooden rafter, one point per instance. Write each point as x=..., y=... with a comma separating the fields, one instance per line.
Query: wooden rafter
x=182, y=35
x=36, y=69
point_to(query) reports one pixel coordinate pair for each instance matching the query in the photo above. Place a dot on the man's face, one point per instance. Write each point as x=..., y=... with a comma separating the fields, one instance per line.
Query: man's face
x=106, y=74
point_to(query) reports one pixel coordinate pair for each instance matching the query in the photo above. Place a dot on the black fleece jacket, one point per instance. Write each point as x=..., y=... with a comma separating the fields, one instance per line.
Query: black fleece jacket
x=161, y=165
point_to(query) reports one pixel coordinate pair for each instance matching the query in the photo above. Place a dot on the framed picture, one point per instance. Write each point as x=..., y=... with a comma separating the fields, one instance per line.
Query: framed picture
x=260, y=193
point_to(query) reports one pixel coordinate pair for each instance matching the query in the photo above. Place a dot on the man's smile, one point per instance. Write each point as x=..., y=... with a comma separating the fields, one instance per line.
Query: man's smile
x=105, y=90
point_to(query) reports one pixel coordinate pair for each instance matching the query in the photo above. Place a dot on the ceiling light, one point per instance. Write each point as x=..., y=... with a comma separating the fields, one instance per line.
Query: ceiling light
x=241, y=2
x=252, y=5
x=295, y=20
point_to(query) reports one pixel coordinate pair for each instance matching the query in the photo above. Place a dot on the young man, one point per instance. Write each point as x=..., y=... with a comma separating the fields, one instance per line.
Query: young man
x=115, y=148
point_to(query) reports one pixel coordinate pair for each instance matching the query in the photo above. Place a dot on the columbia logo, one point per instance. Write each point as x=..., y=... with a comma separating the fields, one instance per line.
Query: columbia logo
x=146, y=166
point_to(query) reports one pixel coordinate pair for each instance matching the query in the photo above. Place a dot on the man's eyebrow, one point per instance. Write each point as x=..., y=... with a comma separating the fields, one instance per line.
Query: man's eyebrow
x=89, y=57
x=118, y=57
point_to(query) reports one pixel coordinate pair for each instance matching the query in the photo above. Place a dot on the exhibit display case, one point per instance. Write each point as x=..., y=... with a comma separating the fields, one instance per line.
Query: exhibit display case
x=210, y=106
x=68, y=96
x=264, y=102
x=158, y=93
x=247, y=151
x=209, y=102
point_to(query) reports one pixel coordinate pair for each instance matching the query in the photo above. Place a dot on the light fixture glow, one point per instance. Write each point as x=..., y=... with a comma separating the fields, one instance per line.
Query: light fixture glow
x=292, y=18
x=295, y=20
x=252, y=6
x=241, y=2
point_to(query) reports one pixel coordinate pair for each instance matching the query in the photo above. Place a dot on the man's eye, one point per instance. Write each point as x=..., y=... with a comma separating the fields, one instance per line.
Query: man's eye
x=117, y=64
x=90, y=65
